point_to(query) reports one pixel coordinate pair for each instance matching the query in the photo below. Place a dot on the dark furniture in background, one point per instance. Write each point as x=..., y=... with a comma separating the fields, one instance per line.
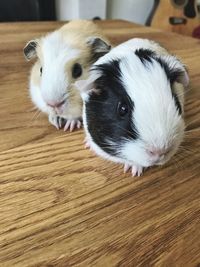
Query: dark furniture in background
x=27, y=10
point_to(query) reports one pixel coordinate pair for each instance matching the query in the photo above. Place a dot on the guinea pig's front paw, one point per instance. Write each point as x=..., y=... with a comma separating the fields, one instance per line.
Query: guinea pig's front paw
x=55, y=121
x=86, y=143
x=72, y=124
x=135, y=169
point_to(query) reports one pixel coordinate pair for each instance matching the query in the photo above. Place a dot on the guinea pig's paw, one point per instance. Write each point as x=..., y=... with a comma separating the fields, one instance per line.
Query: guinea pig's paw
x=61, y=122
x=135, y=169
x=72, y=124
x=54, y=120
x=86, y=143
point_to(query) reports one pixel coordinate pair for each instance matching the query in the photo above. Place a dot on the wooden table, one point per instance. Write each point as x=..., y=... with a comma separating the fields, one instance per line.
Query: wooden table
x=62, y=206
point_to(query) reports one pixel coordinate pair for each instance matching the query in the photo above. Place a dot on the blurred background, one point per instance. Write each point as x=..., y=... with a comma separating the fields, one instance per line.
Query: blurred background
x=182, y=16
x=23, y=10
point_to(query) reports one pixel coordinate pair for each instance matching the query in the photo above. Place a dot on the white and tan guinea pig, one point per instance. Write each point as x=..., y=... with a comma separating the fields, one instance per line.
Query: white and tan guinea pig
x=63, y=57
x=133, y=105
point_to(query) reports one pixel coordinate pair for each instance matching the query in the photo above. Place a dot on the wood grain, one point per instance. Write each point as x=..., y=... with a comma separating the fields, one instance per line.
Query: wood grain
x=62, y=206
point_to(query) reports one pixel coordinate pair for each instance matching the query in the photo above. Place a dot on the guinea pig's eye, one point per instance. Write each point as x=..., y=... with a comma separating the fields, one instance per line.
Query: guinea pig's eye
x=76, y=70
x=122, y=109
x=40, y=71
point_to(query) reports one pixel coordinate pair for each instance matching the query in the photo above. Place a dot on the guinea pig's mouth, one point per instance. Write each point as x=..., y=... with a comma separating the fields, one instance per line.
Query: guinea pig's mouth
x=165, y=158
x=159, y=162
x=60, y=108
x=162, y=158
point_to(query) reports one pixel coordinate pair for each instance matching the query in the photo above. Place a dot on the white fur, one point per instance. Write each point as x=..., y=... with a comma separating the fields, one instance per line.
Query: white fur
x=155, y=114
x=54, y=81
x=56, y=53
x=37, y=99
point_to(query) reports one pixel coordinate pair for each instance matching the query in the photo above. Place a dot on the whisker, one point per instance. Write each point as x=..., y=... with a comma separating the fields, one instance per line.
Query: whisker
x=185, y=147
x=127, y=131
x=176, y=163
x=39, y=113
x=186, y=151
x=35, y=115
x=191, y=122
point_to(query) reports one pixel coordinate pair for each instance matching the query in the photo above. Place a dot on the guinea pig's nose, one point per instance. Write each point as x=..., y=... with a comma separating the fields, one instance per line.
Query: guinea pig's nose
x=156, y=152
x=55, y=104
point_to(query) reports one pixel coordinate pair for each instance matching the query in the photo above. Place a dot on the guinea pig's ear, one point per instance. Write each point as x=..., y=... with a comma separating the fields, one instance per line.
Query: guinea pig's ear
x=176, y=70
x=30, y=49
x=98, y=47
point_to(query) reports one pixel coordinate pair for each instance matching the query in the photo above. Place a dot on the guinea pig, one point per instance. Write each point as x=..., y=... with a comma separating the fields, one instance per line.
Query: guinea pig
x=63, y=56
x=133, y=105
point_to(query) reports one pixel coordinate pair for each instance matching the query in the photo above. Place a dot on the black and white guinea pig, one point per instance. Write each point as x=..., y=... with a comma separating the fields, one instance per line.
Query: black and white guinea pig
x=133, y=105
x=63, y=56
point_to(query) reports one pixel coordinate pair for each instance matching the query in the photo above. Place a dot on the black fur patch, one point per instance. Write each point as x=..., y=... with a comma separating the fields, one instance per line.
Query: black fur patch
x=104, y=122
x=145, y=54
x=173, y=74
x=177, y=102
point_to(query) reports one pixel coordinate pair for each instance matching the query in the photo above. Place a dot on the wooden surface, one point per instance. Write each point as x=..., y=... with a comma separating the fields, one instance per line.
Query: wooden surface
x=62, y=206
